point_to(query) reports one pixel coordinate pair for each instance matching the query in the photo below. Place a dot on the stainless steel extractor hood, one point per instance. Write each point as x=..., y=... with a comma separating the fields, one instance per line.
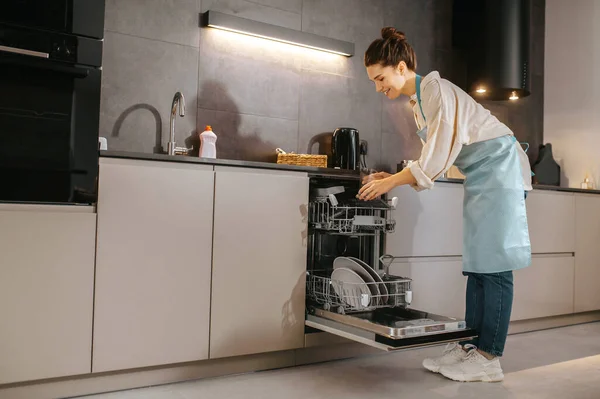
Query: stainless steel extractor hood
x=494, y=35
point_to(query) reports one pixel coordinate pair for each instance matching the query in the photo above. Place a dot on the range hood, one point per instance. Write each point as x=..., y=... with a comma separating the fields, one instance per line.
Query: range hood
x=494, y=35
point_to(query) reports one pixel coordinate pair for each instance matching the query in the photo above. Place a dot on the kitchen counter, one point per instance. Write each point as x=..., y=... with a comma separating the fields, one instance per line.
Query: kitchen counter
x=567, y=189
x=535, y=187
x=230, y=162
x=276, y=166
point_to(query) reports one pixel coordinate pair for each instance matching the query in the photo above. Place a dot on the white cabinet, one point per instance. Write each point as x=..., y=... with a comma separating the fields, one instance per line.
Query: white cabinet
x=259, y=262
x=428, y=223
x=551, y=219
x=587, y=252
x=541, y=290
x=545, y=288
x=46, y=291
x=438, y=284
x=152, y=302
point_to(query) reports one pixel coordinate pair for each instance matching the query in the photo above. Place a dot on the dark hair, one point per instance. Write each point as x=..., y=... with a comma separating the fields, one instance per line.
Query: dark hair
x=390, y=50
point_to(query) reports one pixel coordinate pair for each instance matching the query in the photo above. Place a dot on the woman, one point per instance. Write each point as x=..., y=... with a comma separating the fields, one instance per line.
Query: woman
x=457, y=130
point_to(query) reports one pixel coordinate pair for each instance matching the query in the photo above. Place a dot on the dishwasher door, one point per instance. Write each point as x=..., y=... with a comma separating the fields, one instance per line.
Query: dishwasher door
x=390, y=328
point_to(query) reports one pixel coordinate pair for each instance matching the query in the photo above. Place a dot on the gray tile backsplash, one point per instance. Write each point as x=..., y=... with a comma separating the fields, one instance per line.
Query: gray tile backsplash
x=249, y=137
x=169, y=21
x=140, y=77
x=417, y=20
x=259, y=95
x=397, y=116
x=355, y=21
x=350, y=103
x=246, y=85
x=287, y=5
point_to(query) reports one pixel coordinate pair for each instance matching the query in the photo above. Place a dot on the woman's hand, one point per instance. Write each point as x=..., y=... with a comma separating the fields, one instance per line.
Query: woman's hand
x=375, y=176
x=376, y=188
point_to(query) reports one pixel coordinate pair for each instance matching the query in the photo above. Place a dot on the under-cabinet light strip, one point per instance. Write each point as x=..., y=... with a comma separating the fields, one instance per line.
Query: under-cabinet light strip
x=280, y=34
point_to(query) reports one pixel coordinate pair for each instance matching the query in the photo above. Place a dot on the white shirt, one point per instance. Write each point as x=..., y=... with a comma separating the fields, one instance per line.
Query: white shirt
x=454, y=119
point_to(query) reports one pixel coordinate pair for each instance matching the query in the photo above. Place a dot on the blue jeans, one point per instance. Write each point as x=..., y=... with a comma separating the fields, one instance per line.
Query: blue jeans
x=489, y=304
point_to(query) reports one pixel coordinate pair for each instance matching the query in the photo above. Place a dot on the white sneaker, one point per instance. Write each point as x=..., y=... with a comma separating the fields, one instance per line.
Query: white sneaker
x=473, y=368
x=453, y=354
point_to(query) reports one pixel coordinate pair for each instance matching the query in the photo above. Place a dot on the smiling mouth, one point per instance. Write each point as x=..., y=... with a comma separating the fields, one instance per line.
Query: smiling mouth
x=385, y=93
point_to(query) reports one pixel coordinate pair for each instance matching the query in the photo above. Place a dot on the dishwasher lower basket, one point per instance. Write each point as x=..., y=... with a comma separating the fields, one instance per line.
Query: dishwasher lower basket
x=346, y=297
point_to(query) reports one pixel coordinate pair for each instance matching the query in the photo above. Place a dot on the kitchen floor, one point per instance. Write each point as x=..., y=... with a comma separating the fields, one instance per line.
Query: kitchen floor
x=559, y=363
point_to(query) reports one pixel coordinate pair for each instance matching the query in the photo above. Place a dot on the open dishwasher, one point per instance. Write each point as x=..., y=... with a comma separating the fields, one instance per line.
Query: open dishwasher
x=349, y=289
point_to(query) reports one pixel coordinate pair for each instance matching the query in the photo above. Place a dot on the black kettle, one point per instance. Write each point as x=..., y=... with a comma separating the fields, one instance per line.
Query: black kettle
x=345, y=146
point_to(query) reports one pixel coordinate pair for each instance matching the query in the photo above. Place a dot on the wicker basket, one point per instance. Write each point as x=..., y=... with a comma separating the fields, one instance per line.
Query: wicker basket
x=317, y=161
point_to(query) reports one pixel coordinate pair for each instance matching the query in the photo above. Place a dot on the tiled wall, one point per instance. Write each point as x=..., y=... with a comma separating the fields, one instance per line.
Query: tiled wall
x=259, y=95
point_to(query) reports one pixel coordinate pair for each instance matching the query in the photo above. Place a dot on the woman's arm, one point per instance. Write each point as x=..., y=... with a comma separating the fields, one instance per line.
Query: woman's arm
x=438, y=153
x=443, y=144
x=377, y=188
x=403, y=177
x=375, y=176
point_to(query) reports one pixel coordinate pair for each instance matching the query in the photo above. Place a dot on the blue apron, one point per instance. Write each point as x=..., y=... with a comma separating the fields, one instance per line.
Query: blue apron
x=495, y=231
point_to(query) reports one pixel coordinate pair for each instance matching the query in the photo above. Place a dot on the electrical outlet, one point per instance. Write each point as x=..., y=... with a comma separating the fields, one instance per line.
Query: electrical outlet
x=364, y=147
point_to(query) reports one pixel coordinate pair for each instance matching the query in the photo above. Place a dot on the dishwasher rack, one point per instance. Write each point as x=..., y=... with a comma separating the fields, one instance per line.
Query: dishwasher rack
x=352, y=216
x=344, y=297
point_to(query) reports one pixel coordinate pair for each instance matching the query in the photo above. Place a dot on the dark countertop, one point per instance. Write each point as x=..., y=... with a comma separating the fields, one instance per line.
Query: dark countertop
x=566, y=189
x=293, y=168
x=230, y=162
x=537, y=187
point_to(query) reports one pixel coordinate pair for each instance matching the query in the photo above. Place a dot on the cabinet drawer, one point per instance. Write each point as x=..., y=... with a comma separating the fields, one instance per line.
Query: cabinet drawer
x=545, y=288
x=153, y=265
x=587, y=253
x=551, y=219
x=46, y=292
x=259, y=263
x=428, y=223
x=438, y=284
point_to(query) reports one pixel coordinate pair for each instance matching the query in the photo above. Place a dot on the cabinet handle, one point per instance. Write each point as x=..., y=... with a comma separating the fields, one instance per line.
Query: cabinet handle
x=24, y=52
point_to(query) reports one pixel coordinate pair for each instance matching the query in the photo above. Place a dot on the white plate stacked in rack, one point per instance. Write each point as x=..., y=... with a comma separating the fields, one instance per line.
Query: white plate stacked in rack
x=357, y=284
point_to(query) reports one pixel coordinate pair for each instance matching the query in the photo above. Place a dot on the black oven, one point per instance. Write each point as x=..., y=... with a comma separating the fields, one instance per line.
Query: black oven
x=50, y=80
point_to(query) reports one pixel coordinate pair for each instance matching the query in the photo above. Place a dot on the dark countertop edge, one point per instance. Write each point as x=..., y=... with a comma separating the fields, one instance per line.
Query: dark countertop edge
x=230, y=162
x=536, y=187
x=291, y=168
x=565, y=189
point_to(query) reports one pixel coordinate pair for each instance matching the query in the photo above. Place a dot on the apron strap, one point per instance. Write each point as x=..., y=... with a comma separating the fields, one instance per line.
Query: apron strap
x=419, y=96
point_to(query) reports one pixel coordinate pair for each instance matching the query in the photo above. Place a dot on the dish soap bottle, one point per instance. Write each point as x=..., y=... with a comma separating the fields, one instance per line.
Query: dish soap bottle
x=208, y=148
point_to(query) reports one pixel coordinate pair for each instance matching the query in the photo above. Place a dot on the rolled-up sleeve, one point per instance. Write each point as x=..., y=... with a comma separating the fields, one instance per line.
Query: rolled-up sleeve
x=442, y=146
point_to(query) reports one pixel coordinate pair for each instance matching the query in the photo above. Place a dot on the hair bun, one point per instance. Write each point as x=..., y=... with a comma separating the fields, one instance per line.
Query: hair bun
x=389, y=32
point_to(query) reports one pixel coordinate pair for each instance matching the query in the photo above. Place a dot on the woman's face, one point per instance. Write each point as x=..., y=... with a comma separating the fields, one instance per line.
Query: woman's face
x=388, y=80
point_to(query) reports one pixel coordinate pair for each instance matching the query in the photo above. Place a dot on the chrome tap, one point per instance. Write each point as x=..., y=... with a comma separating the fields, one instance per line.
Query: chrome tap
x=178, y=99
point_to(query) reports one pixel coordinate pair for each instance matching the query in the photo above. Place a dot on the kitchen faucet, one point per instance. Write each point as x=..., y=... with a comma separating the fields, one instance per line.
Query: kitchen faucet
x=178, y=99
